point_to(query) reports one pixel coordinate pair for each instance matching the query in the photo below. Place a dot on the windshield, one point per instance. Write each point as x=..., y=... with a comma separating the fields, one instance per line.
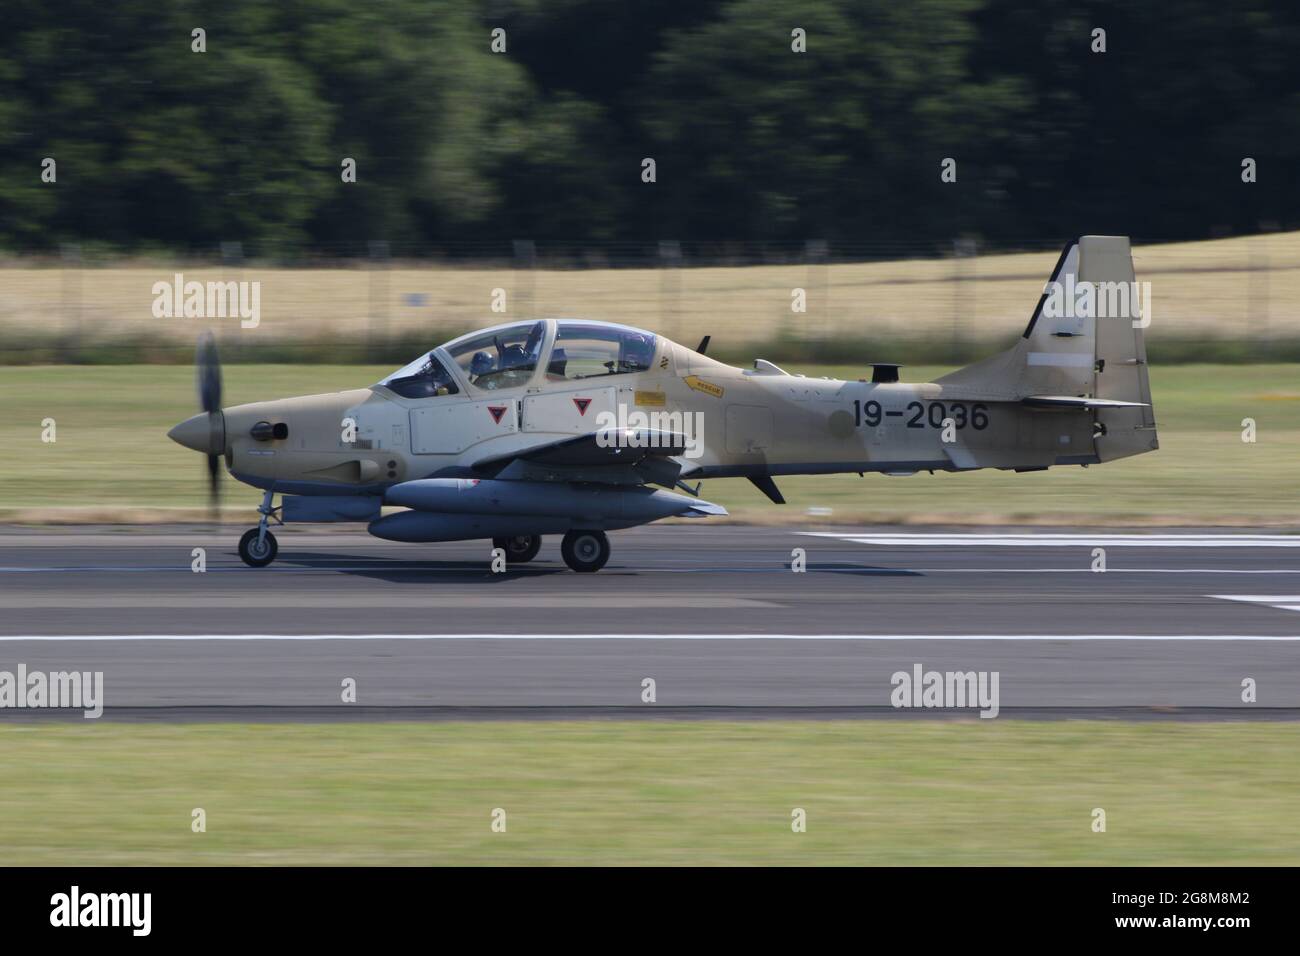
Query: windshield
x=500, y=358
x=424, y=378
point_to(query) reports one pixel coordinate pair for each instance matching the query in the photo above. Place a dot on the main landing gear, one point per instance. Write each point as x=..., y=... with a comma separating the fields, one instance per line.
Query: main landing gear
x=585, y=551
x=520, y=548
x=258, y=547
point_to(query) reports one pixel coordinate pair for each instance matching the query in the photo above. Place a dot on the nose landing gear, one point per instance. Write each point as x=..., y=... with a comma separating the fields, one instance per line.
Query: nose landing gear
x=258, y=547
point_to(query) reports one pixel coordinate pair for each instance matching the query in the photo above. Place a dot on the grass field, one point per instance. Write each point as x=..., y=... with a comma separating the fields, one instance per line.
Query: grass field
x=1235, y=291
x=113, y=461
x=972, y=792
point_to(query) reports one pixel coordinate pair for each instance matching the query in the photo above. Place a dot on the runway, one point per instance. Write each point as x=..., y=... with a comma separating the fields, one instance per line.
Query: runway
x=714, y=615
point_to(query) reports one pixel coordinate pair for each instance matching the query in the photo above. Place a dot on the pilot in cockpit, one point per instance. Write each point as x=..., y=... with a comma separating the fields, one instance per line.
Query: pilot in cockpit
x=481, y=366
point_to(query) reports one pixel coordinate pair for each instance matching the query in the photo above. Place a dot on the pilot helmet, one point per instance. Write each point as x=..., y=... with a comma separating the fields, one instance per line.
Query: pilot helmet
x=481, y=364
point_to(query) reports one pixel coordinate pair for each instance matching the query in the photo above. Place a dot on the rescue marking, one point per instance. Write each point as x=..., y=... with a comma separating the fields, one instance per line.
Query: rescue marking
x=699, y=385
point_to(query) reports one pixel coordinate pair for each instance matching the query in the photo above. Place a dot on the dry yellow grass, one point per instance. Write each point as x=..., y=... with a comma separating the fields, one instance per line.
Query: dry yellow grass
x=1245, y=287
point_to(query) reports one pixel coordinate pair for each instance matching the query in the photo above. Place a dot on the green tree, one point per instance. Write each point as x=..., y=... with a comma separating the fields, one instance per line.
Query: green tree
x=756, y=140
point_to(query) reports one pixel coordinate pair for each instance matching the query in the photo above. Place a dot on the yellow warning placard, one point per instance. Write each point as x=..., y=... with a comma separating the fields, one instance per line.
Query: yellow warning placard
x=708, y=388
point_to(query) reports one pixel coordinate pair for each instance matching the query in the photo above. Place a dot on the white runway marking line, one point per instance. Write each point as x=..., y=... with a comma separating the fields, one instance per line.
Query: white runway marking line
x=1281, y=602
x=534, y=570
x=1068, y=540
x=652, y=637
x=347, y=602
x=239, y=568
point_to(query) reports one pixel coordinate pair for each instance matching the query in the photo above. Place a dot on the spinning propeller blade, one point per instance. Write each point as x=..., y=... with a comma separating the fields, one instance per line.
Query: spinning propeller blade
x=207, y=368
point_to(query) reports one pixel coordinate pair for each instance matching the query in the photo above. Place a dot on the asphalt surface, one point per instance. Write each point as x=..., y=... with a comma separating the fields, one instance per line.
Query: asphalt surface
x=713, y=614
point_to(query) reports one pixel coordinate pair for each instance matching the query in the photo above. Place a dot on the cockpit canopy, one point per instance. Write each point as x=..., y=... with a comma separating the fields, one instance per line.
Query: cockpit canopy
x=510, y=356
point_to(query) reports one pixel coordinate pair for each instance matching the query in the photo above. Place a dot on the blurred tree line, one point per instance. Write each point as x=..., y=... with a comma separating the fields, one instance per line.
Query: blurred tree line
x=161, y=148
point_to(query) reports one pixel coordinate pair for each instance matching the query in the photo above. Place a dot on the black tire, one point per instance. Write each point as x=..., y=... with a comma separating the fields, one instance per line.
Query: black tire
x=520, y=548
x=252, y=555
x=585, y=551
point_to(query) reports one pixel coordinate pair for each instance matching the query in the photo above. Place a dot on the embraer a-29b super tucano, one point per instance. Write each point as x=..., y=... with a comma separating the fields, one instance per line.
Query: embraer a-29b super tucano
x=575, y=427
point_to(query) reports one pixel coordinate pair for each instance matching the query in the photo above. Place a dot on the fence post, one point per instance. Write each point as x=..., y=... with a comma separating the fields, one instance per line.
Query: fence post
x=963, y=300
x=1257, y=296
x=73, y=304
x=816, y=252
x=232, y=270
x=670, y=286
x=525, y=278
x=377, y=326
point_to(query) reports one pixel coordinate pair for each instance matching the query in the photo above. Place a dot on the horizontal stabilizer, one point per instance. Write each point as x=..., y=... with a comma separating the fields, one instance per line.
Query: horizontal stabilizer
x=1070, y=401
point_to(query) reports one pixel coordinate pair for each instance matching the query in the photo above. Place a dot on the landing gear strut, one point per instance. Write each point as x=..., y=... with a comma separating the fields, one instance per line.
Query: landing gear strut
x=258, y=547
x=520, y=548
x=585, y=551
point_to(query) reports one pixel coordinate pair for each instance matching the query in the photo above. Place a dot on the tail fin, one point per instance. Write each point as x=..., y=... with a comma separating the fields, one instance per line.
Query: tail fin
x=1083, y=347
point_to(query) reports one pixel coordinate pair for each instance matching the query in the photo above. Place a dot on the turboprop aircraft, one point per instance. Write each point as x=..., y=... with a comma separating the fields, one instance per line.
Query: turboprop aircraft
x=576, y=427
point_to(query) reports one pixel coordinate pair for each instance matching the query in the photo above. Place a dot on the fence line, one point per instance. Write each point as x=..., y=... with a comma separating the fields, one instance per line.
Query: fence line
x=1243, y=292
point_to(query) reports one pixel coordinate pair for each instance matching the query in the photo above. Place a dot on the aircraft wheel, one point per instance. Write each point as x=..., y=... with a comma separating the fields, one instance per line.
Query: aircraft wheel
x=255, y=555
x=585, y=550
x=520, y=548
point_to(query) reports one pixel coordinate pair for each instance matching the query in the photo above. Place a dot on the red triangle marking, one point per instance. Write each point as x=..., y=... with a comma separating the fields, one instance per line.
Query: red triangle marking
x=582, y=404
x=496, y=411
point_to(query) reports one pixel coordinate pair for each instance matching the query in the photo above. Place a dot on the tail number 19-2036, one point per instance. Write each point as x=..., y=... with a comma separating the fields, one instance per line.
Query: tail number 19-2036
x=922, y=414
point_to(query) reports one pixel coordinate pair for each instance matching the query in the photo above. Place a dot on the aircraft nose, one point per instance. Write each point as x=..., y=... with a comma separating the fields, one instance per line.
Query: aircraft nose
x=198, y=433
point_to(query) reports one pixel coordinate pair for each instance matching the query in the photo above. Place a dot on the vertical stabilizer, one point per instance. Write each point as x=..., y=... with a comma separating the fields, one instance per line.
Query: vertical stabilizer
x=1084, y=341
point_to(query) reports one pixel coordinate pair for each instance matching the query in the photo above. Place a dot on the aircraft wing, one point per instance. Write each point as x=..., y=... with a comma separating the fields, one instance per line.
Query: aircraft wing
x=616, y=456
x=610, y=446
